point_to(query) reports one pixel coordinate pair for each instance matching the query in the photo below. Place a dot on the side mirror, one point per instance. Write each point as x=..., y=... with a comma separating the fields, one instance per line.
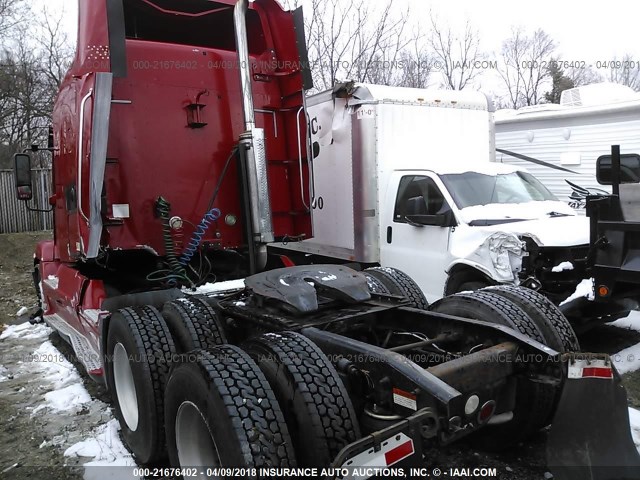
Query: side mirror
x=22, y=170
x=629, y=169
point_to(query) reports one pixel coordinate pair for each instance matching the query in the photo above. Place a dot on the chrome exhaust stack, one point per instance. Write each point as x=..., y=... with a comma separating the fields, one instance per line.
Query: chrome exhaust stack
x=252, y=142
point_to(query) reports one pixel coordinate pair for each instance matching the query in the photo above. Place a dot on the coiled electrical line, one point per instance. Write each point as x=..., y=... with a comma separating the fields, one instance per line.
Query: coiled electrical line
x=198, y=235
x=176, y=271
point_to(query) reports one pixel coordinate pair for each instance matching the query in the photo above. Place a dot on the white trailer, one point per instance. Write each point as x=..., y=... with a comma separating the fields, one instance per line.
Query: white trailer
x=568, y=138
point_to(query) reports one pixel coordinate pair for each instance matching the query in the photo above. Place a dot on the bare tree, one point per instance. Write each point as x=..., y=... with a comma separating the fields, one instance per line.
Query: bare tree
x=33, y=66
x=55, y=48
x=11, y=14
x=417, y=66
x=524, y=68
x=458, y=56
x=583, y=75
x=625, y=72
x=353, y=40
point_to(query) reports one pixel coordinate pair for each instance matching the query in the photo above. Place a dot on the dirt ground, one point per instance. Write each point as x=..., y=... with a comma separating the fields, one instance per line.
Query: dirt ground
x=32, y=446
x=16, y=265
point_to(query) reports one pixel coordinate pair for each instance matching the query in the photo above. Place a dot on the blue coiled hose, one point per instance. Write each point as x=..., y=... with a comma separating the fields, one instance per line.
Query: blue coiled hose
x=198, y=235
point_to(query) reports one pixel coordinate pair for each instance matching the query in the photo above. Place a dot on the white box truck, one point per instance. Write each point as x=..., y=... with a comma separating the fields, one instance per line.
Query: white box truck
x=562, y=142
x=404, y=178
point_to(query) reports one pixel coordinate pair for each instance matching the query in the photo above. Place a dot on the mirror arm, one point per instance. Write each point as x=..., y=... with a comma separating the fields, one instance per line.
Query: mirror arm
x=31, y=209
x=412, y=223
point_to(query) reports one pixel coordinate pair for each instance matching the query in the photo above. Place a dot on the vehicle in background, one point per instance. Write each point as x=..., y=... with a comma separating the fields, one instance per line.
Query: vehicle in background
x=392, y=185
x=559, y=144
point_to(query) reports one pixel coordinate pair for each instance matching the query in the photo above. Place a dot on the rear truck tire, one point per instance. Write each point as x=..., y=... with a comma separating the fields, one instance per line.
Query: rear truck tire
x=194, y=324
x=220, y=411
x=396, y=282
x=137, y=362
x=534, y=402
x=316, y=406
x=472, y=286
x=554, y=326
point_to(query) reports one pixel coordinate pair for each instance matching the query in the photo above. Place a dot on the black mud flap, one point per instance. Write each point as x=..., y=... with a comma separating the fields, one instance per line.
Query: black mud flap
x=299, y=287
x=590, y=437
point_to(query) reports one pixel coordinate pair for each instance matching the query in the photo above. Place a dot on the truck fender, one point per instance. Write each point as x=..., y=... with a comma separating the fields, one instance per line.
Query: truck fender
x=471, y=264
x=499, y=256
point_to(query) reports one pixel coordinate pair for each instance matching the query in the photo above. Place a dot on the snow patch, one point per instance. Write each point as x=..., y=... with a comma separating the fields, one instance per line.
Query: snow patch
x=329, y=278
x=4, y=374
x=632, y=322
x=562, y=267
x=67, y=398
x=106, y=450
x=216, y=287
x=584, y=289
x=26, y=331
x=65, y=392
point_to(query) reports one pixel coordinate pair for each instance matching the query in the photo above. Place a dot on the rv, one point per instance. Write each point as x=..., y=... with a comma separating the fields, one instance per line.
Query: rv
x=559, y=144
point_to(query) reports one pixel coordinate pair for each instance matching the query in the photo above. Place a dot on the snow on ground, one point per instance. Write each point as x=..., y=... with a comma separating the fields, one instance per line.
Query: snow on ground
x=216, y=287
x=4, y=374
x=584, y=289
x=561, y=267
x=58, y=397
x=25, y=331
x=105, y=449
x=104, y=446
x=628, y=360
x=632, y=322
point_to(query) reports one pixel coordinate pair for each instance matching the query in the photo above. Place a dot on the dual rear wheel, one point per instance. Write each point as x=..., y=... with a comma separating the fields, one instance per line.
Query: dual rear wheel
x=275, y=402
x=535, y=316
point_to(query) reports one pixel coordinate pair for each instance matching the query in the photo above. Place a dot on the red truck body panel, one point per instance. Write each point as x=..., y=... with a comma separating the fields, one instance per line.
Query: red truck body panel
x=153, y=150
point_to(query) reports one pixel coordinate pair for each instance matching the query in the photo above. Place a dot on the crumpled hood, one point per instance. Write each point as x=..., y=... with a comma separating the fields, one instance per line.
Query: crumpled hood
x=560, y=231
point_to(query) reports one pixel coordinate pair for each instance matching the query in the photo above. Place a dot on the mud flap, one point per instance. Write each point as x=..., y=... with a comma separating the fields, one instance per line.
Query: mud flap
x=590, y=437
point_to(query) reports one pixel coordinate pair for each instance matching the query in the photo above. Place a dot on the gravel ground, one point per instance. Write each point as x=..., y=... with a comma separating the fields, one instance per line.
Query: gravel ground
x=32, y=444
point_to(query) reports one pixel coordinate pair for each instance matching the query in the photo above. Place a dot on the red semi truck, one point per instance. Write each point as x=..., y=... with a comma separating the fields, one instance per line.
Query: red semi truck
x=179, y=153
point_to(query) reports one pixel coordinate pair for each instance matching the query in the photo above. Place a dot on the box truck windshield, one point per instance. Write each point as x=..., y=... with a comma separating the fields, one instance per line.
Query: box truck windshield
x=472, y=188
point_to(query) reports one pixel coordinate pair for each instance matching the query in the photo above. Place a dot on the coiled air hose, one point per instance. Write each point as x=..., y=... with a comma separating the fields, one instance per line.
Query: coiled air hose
x=196, y=239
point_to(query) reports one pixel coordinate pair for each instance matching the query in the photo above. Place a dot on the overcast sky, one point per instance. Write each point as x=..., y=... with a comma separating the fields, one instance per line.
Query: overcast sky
x=584, y=31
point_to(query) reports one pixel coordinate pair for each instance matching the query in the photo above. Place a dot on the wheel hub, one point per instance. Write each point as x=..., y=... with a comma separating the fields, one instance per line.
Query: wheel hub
x=125, y=387
x=194, y=442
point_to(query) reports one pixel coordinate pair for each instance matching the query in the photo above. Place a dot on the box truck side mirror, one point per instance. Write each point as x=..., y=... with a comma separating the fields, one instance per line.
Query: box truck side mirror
x=629, y=169
x=22, y=170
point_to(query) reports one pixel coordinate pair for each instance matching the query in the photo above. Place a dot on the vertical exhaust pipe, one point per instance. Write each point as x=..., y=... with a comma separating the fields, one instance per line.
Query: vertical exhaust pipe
x=252, y=146
x=240, y=22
